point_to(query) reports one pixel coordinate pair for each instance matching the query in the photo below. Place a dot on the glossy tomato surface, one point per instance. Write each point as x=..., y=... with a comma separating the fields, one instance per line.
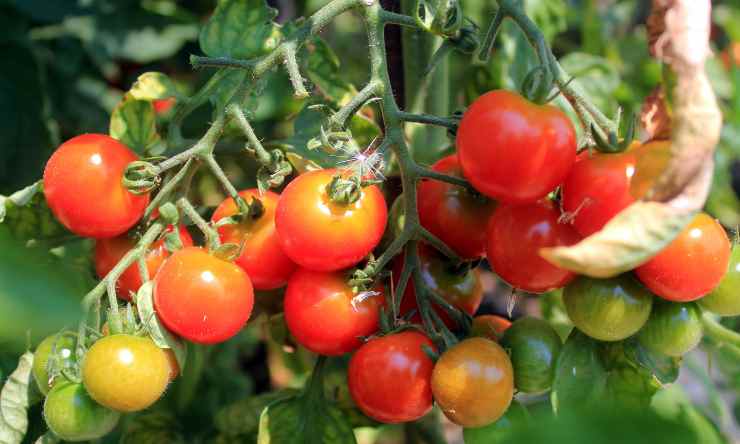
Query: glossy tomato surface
x=724, y=300
x=321, y=235
x=515, y=236
x=325, y=316
x=125, y=373
x=262, y=256
x=455, y=215
x=489, y=326
x=673, y=329
x=390, y=377
x=73, y=416
x=108, y=252
x=534, y=347
x=202, y=298
x=82, y=185
x=692, y=265
x=473, y=382
x=61, y=348
x=513, y=150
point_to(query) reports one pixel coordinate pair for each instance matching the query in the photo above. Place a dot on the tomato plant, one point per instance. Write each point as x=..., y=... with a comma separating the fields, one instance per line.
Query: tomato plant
x=59, y=348
x=73, y=416
x=534, y=347
x=723, y=299
x=673, y=329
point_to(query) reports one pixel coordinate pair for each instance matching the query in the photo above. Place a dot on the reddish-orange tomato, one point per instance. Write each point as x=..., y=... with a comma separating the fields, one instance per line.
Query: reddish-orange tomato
x=202, y=298
x=690, y=266
x=515, y=236
x=489, y=326
x=390, y=377
x=731, y=55
x=455, y=215
x=262, y=256
x=109, y=251
x=325, y=316
x=162, y=106
x=322, y=235
x=82, y=185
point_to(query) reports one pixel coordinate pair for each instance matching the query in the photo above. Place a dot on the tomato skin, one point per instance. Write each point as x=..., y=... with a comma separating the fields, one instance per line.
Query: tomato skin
x=125, y=373
x=724, y=299
x=515, y=236
x=64, y=345
x=491, y=327
x=528, y=154
x=516, y=416
x=390, y=377
x=473, y=382
x=109, y=251
x=82, y=185
x=202, y=298
x=608, y=309
x=534, y=347
x=692, y=265
x=262, y=256
x=163, y=106
x=673, y=329
x=72, y=415
x=324, y=236
x=453, y=214
x=315, y=298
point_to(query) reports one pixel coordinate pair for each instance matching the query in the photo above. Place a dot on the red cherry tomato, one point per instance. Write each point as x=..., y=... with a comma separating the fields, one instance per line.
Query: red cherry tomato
x=513, y=150
x=325, y=316
x=109, y=251
x=202, y=298
x=262, y=256
x=453, y=214
x=690, y=266
x=390, y=377
x=515, y=236
x=162, y=106
x=321, y=235
x=489, y=326
x=82, y=185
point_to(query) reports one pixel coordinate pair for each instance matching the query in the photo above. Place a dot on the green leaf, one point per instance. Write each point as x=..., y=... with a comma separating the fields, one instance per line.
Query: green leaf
x=664, y=368
x=240, y=29
x=15, y=398
x=595, y=77
x=516, y=416
x=300, y=420
x=134, y=123
x=158, y=332
x=153, y=86
x=19, y=198
x=580, y=376
x=324, y=70
x=243, y=416
x=672, y=403
x=47, y=438
x=26, y=215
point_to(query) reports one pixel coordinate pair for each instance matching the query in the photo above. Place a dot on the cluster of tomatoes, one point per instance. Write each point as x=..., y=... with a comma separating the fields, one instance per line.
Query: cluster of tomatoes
x=515, y=154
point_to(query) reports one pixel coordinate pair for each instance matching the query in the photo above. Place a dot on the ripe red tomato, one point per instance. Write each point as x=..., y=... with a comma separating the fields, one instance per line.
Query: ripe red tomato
x=322, y=316
x=513, y=150
x=515, y=236
x=262, y=256
x=321, y=235
x=202, y=298
x=489, y=326
x=690, y=266
x=82, y=185
x=109, y=251
x=390, y=377
x=453, y=214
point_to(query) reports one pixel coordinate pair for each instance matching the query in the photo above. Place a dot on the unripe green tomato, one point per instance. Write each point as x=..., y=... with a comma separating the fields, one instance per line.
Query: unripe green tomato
x=673, y=329
x=534, y=348
x=73, y=416
x=515, y=416
x=63, y=344
x=608, y=309
x=725, y=299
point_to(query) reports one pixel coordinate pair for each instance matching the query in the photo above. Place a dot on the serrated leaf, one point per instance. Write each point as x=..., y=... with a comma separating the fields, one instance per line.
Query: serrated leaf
x=298, y=420
x=134, y=123
x=242, y=417
x=241, y=29
x=15, y=398
x=158, y=332
x=580, y=376
x=153, y=86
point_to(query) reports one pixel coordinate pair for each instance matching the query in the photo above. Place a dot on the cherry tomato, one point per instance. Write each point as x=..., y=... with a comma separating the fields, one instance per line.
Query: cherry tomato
x=673, y=329
x=515, y=236
x=82, y=185
x=724, y=300
x=473, y=382
x=125, y=373
x=462, y=290
x=513, y=150
x=162, y=106
x=325, y=316
x=63, y=345
x=455, y=215
x=489, y=326
x=73, y=416
x=202, y=298
x=692, y=265
x=516, y=416
x=321, y=235
x=534, y=346
x=171, y=358
x=262, y=256
x=109, y=251
x=390, y=377
x=608, y=309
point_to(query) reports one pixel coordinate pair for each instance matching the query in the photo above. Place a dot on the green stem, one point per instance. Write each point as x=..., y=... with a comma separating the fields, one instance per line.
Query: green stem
x=204, y=146
x=718, y=332
x=168, y=187
x=429, y=119
x=208, y=231
x=226, y=183
x=263, y=156
x=338, y=119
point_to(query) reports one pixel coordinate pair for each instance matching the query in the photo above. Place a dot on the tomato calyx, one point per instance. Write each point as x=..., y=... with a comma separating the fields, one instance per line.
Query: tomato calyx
x=141, y=177
x=344, y=191
x=537, y=85
x=613, y=143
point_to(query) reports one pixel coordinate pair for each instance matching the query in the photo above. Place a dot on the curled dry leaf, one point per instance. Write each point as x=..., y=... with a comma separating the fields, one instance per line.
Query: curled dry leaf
x=655, y=116
x=679, y=35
